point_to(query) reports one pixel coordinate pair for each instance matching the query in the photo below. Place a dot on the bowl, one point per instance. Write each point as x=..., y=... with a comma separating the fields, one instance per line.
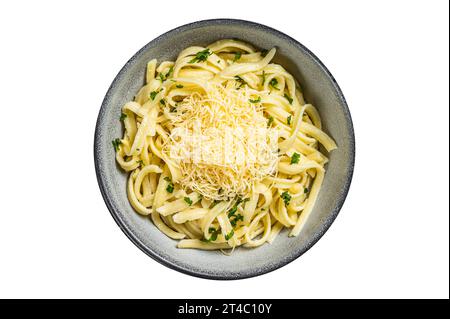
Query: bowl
x=320, y=89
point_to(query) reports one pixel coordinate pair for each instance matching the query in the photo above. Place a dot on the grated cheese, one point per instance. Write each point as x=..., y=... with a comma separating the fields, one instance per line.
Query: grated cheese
x=221, y=141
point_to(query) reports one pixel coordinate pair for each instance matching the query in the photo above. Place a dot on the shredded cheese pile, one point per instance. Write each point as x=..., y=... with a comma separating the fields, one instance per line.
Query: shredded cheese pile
x=228, y=123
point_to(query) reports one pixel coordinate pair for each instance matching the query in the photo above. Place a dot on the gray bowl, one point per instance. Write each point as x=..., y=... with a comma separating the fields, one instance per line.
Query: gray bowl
x=320, y=89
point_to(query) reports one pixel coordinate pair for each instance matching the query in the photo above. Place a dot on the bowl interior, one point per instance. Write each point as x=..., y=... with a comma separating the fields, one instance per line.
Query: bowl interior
x=320, y=90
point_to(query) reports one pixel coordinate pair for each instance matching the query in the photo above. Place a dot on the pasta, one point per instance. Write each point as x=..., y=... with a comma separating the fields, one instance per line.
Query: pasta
x=222, y=149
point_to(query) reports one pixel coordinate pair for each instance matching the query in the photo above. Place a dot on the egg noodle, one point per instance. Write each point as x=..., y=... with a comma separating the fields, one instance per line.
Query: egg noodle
x=222, y=148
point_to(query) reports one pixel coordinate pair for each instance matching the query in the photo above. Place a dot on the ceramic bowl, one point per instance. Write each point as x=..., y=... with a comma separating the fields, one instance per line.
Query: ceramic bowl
x=320, y=89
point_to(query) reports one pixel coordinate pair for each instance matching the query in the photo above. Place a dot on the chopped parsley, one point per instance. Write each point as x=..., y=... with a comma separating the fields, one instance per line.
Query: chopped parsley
x=306, y=190
x=295, y=158
x=263, y=77
x=274, y=83
x=179, y=86
x=201, y=56
x=216, y=201
x=237, y=78
x=154, y=93
x=258, y=100
x=140, y=162
x=229, y=235
x=233, y=210
x=237, y=218
x=188, y=201
x=286, y=198
x=164, y=77
x=116, y=143
x=289, y=119
x=123, y=116
x=237, y=56
x=162, y=101
x=269, y=123
x=214, y=232
x=170, y=188
x=288, y=98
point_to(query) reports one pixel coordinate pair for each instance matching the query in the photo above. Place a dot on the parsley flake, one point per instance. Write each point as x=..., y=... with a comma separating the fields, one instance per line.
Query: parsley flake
x=188, y=201
x=154, y=93
x=289, y=119
x=116, y=143
x=274, y=83
x=295, y=158
x=286, y=198
x=170, y=188
x=237, y=78
x=258, y=100
x=229, y=235
x=288, y=98
x=237, y=218
x=237, y=56
x=214, y=232
x=201, y=56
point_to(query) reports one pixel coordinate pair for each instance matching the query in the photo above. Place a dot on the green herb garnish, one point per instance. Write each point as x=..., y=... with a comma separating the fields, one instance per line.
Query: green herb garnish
x=123, y=116
x=269, y=123
x=237, y=218
x=179, y=86
x=170, y=188
x=306, y=190
x=214, y=232
x=274, y=83
x=214, y=203
x=288, y=98
x=295, y=158
x=162, y=101
x=237, y=56
x=255, y=101
x=169, y=72
x=116, y=143
x=229, y=235
x=201, y=56
x=233, y=210
x=164, y=77
x=154, y=93
x=188, y=201
x=263, y=77
x=286, y=198
x=240, y=80
x=140, y=162
x=289, y=119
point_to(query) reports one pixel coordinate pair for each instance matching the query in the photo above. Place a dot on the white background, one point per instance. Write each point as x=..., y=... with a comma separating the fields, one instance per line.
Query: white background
x=57, y=238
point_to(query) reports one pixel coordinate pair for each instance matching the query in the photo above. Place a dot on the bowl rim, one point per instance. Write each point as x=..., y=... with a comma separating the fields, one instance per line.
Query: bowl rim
x=257, y=271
